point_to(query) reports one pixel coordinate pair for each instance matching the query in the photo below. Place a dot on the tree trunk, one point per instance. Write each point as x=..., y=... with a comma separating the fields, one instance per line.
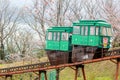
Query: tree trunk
x=2, y=53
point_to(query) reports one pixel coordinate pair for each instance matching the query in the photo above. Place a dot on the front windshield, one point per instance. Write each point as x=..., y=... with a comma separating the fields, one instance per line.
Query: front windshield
x=106, y=31
x=109, y=31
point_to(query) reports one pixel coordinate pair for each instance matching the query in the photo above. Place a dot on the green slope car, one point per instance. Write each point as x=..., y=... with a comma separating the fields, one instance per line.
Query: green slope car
x=86, y=39
x=90, y=39
x=58, y=44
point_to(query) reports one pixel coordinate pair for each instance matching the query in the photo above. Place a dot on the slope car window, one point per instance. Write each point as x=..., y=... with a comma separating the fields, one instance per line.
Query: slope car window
x=109, y=31
x=76, y=30
x=64, y=36
x=86, y=30
x=97, y=31
x=103, y=31
x=49, y=35
x=92, y=30
x=56, y=36
x=82, y=30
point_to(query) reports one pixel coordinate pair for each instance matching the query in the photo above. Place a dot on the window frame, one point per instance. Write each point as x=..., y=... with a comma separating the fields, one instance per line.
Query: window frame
x=102, y=33
x=86, y=28
x=51, y=38
x=82, y=30
x=67, y=38
x=109, y=31
x=94, y=29
x=56, y=35
x=74, y=31
x=98, y=30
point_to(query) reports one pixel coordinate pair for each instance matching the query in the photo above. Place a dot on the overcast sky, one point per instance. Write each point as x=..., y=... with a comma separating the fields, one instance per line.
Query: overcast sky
x=20, y=3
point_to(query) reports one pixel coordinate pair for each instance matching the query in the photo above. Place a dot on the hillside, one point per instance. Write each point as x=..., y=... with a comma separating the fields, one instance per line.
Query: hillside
x=95, y=71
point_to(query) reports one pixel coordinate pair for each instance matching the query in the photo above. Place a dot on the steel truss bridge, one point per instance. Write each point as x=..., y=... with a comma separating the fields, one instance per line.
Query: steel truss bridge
x=114, y=56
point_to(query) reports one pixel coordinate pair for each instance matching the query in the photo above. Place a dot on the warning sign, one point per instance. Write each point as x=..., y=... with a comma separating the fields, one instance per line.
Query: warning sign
x=105, y=42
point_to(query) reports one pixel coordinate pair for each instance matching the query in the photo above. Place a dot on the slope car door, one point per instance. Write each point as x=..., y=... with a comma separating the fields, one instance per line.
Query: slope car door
x=64, y=42
x=93, y=36
x=106, y=33
x=84, y=35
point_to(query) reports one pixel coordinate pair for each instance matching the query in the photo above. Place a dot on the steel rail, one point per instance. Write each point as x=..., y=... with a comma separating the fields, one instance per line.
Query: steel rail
x=47, y=66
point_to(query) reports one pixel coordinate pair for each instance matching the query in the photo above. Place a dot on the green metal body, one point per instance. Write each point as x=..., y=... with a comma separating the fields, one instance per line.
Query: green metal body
x=80, y=37
x=56, y=42
x=83, y=37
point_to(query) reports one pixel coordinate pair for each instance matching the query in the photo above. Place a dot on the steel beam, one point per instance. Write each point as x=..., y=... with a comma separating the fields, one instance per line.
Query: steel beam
x=57, y=74
x=45, y=73
x=83, y=72
x=76, y=71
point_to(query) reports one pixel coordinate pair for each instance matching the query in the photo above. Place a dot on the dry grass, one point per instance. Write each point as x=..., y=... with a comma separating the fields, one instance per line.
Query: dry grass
x=104, y=70
x=115, y=48
x=24, y=62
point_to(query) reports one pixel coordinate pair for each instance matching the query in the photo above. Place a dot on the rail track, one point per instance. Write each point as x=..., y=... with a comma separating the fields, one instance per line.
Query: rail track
x=114, y=54
x=46, y=65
